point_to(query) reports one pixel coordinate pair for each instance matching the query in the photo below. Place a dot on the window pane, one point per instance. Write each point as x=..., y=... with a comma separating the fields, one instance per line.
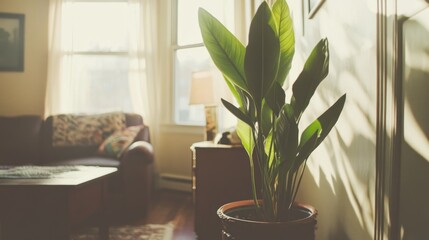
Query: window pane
x=100, y=26
x=188, y=61
x=188, y=30
x=98, y=84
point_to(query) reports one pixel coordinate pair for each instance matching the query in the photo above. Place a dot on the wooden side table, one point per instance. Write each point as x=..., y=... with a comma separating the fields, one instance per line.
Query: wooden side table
x=220, y=174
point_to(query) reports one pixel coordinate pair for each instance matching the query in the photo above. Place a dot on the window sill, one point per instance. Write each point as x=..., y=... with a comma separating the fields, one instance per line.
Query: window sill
x=182, y=129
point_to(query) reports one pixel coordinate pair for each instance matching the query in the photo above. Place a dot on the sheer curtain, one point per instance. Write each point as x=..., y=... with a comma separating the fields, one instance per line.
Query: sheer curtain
x=58, y=66
x=144, y=86
x=70, y=89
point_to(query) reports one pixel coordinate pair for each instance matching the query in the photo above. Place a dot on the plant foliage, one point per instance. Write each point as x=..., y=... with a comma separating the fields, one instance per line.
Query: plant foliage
x=267, y=124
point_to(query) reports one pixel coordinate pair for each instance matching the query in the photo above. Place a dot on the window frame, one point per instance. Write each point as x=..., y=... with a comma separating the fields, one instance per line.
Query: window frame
x=176, y=47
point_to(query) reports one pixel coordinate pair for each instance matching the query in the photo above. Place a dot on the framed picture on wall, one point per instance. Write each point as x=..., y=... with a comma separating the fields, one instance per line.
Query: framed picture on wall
x=313, y=6
x=12, y=42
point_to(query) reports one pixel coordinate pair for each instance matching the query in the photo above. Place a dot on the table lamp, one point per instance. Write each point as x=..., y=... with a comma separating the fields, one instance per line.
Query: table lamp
x=202, y=93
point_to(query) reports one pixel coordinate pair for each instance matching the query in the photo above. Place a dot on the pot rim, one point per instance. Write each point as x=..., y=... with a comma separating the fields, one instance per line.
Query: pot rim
x=221, y=212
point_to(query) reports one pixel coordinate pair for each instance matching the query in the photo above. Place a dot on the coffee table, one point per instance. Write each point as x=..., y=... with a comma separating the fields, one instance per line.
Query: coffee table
x=49, y=208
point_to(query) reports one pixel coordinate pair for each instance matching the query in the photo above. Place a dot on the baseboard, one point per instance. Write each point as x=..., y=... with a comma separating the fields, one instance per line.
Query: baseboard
x=174, y=182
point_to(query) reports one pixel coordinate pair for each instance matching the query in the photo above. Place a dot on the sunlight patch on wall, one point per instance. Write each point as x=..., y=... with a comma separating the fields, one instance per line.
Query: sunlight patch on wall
x=356, y=127
x=338, y=25
x=343, y=158
x=411, y=7
x=341, y=171
x=339, y=39
x=320, y=158
x=356, y=191
x=320, y=162
x=354, y=116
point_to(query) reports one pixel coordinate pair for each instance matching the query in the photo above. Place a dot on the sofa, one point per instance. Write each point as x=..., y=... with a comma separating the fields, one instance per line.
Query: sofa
x=31, y=140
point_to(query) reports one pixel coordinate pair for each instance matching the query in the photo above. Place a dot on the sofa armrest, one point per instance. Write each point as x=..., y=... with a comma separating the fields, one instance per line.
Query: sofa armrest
x=144, y=135
x=140, y=149
x=136, y=169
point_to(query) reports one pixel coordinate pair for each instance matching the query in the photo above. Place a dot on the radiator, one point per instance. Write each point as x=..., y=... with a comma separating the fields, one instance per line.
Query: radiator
x=175, y=182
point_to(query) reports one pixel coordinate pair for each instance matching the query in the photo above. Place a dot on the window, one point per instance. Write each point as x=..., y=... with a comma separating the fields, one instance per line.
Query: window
x=189, y=53
x=96, y=57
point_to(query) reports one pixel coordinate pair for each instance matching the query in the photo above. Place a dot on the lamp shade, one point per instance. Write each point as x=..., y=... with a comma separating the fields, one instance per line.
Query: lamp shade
x=202, y=89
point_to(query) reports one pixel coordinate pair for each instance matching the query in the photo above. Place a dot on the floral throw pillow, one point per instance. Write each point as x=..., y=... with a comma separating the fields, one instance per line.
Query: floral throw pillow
x=85, y=130
x=119, y=141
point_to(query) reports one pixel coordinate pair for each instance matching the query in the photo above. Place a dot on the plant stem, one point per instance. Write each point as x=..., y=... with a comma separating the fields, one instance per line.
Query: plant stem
x=252, y=177
x=299, y=181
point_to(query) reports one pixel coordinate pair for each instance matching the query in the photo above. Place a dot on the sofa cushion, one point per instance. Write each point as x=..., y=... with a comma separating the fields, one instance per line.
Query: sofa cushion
x=85, y=130
x=88, y=161
x=52, y=153
x=119, y=141
x=19, y=139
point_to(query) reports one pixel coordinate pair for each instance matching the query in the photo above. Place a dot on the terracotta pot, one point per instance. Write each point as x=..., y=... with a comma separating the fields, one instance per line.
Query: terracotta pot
x=239, y=229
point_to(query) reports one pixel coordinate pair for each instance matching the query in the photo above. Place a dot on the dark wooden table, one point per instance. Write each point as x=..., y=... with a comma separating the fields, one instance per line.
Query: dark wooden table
x=49, y=209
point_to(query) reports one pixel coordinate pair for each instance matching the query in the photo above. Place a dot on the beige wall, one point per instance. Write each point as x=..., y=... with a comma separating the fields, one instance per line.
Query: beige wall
x=177, y=160
x=24, y=92
x=340, y=181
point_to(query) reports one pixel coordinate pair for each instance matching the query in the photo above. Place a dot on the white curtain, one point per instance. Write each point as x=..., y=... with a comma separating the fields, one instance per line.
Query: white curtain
x=64, y=93
x=144, y=85
x=57, y=65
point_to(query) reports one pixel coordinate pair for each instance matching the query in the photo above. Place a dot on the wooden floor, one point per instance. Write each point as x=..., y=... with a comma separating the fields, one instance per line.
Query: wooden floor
x=167, y=206
x=175, y=207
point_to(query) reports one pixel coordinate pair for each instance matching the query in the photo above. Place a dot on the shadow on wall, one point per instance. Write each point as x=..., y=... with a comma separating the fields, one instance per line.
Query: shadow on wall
x=340, y=181
x=414, y=197
x=343, y=197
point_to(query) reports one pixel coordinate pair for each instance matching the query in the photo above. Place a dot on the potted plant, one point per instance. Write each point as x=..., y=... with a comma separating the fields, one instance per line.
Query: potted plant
x=267, y=123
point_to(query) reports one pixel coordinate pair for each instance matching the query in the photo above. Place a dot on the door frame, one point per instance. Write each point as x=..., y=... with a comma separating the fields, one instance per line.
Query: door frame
x=388, y=140
x=390, y=119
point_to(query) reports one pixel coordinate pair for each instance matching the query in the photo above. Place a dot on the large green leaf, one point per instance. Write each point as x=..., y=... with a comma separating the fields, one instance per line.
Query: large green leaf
x=330, y=117
x=274, y=101
x=320, y=128
x=286, y=34
x=276, y=98
x=315, y=70
x=269, y=148
x=266, y=120
x=308, y=141
x=244, y=132
x=286, y=134
x=305, y=150
x=236, y=92
x=307, y=134
x=262, y=54
x=237, y=112
x=224, y=48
